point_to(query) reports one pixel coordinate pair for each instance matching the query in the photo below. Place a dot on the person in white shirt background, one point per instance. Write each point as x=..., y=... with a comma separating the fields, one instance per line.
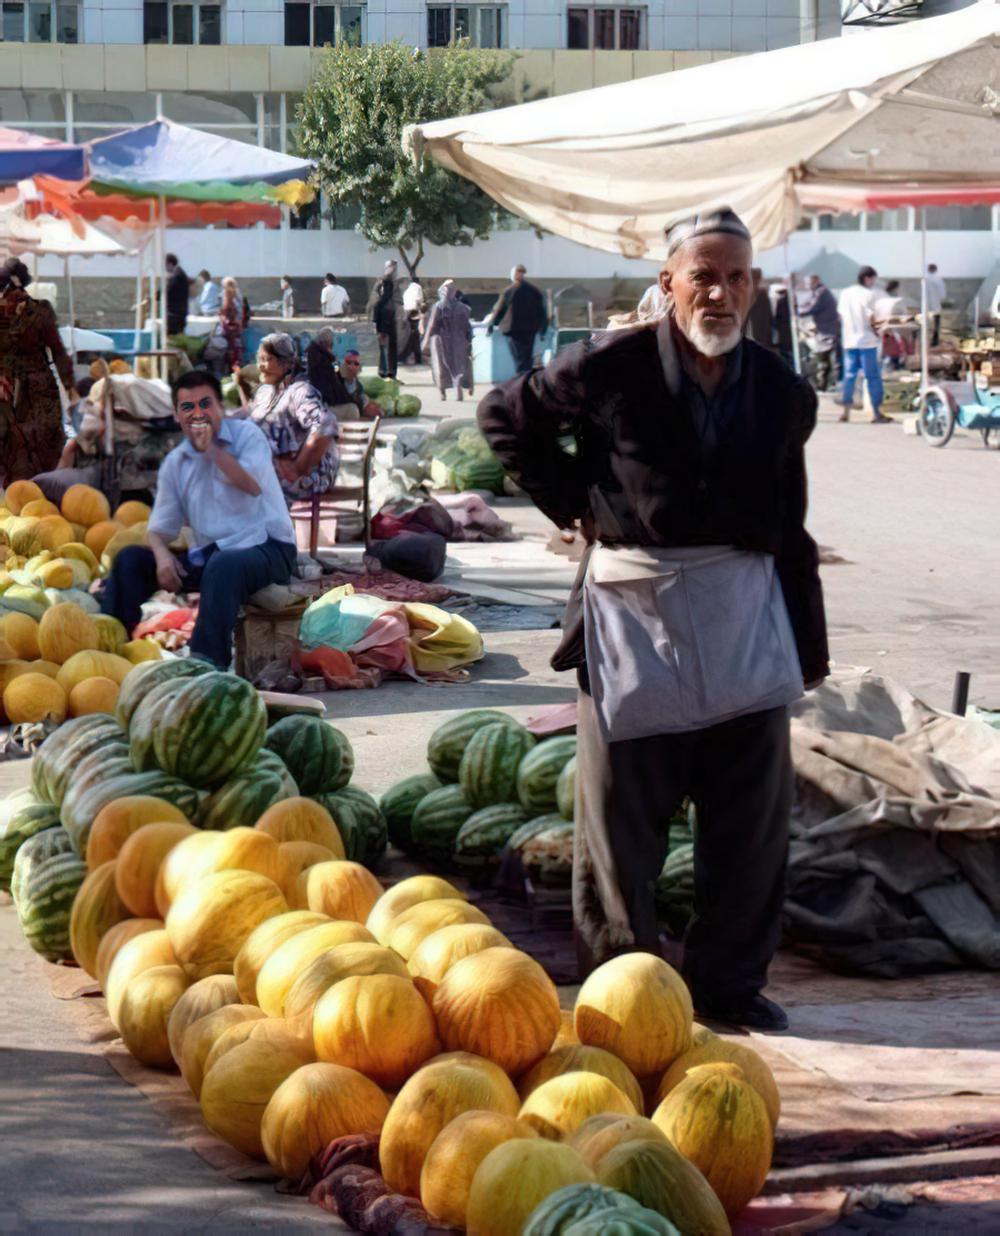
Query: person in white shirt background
x=936, y=293
x=413, y=306
x=860, y=340
x=652, y=305
x=334, y=301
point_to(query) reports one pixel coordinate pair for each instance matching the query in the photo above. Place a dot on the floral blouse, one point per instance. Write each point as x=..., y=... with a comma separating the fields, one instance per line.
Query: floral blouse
x=289, y=415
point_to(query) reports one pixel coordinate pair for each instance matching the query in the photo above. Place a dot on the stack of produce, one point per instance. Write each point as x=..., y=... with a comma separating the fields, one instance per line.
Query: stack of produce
x=187, y=751
x=491, y=788
x=461, y=458
x=303, y=1010
x=386, y=393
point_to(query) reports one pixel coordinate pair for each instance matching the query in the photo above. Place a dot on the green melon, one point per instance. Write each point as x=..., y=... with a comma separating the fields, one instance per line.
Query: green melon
x=566, y=790
x=488, y=771
x=319, y=757
x=483, y=472
x=140, y=681
x=539, y=771
x=484, y=834
x=361, y=824
x=86, y=797
x=23, y=822
x=45, y=901
x=267, y=760
x=398, y=804
x=35, y=850
x=243, y=799
x=202, y=729
x=61, y=753
x=597, y=1211
x=448, y=742
x=545, y=847
x=436, y=822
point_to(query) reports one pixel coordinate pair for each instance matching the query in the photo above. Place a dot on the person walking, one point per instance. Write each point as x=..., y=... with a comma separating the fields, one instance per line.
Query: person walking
x=232, y=321
x=821, y=306
x=31, y=355
x=936, y=293
x=894, y=344
x=413, y=310
x=287, y=299
x=178, y=293
x=520, y=314
x=697, y=616
x=449, y=336
x=857, y=316
x=388, y=316
x=334, y=301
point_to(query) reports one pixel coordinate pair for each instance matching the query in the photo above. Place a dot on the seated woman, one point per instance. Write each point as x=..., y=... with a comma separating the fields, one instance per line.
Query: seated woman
x=300, y=427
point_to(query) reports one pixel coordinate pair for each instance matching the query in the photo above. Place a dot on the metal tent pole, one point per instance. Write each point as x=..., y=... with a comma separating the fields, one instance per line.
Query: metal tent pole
x=924, y=333
x=793, y=312
x=68, y=276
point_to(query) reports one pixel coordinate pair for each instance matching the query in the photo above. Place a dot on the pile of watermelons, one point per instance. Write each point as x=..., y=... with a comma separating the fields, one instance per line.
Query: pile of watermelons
x=386, y=393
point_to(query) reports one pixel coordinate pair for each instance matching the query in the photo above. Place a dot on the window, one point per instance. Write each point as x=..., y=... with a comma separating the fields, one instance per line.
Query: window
x=316, y=25
x=484, y=25
x=40, y=21
x=605, y=29
x=957, y=218
x=182, y=23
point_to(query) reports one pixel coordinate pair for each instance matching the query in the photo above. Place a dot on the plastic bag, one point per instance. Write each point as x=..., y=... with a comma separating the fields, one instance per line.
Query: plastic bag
x=440, y=640
x=339, y=618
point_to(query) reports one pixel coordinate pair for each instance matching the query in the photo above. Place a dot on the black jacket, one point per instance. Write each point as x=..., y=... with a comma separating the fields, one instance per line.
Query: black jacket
x=527, y=310
x=637, y=469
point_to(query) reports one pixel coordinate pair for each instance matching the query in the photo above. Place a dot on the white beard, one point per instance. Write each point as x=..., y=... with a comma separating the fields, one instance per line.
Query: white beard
x=709, y=343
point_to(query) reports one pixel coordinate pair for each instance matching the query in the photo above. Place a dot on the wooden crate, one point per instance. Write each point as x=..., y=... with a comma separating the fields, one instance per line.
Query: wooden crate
x=263, y=636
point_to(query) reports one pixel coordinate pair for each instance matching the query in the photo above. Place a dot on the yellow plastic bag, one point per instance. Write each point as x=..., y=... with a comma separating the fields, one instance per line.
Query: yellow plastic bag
x=440, y=640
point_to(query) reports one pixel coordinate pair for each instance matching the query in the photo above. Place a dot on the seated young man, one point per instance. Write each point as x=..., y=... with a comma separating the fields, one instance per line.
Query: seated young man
x=220, y=482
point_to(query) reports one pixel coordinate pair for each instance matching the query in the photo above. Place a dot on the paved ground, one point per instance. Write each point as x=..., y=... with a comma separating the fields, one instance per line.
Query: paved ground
x=917, y=597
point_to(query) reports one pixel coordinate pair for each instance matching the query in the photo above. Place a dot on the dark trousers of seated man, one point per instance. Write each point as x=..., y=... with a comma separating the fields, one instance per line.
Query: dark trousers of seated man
x=226, y=580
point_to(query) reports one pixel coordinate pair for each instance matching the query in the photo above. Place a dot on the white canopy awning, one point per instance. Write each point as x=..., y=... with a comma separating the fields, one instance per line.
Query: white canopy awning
x=49, y=236
x=913, y=105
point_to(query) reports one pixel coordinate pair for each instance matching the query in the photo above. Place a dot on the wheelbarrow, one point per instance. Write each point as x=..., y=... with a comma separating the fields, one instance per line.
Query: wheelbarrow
x=970, y=405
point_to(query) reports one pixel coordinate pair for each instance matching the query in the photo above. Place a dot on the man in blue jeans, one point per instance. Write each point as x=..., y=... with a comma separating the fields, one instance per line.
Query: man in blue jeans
x=220, y=482
x=860, y=340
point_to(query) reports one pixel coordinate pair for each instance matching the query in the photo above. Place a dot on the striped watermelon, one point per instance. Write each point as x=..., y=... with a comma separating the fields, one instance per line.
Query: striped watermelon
x=448, y=742
x=488, y=771
x=437, y=819
x=243, y=799
x=47, y=877
x=24, y=821
x=566, y=790
x=361, y=824
x=140, y=681
x=400, y=801
x=538, y=773
x=61, y=753
x=485, y=833
x=545, y=848
x=202, y=729
x=86, y=797
x=319, y=757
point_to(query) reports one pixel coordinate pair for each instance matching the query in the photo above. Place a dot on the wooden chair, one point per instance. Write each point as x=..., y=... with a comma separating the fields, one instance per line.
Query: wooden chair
x=356, y=443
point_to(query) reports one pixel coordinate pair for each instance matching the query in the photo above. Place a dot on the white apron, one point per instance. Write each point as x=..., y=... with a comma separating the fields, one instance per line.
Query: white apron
x=683, y=638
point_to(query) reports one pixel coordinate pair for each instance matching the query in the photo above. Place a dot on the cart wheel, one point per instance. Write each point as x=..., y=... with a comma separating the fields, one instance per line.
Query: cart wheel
x=936, y=416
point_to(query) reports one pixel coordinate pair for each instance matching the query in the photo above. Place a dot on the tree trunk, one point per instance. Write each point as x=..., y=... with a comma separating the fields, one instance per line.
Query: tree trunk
x=411, y=266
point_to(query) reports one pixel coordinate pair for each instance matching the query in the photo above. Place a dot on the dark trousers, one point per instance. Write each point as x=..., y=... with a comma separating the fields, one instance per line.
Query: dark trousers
x=936, y=331
x=412, y=347
x=227, y=579
x=825, y=370
x=522, y=347
x=739, y=775
x=387, y=361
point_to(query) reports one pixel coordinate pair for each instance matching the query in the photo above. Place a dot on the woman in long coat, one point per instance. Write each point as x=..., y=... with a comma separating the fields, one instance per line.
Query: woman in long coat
x=449, y=333
x=31, y=427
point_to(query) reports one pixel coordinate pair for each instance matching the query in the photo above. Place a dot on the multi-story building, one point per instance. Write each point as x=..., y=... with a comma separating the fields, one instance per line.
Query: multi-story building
x=78, y=69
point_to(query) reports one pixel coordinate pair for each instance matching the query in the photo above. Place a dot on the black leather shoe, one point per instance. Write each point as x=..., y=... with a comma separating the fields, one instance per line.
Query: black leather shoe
x=756, y=1012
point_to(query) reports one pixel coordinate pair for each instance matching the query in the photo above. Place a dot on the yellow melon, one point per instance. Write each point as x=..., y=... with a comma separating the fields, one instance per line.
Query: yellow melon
x=57, y=574
x=66, y=629
x=514, y=1178
x=131, y=513
x=92, y=664
x=210, y=920
x=110, y=632
x=378, y=1024
x=407, y=893
x=296, y=856
x=409, y=929
x=454, y=1157
x=115, y=939
x=724, y=1051
x=270, y=1030
x=236, y=849
x=567, y=1031
x=237, y=1089
x=313, y=1106
x=559, y=1106
x=301, y=819
x=120, y=818
x=576, y=1058
x=201, y=1036
x=145, y=1009
x=52, y=531
x=443, y=1089
x=98, y=536
x=329, y=968
x=339, y=889
x=96, y=909
x=76, y=551
x=139, y=861
x=48, y=668
x=184, y=864
x=34, y=697
x=93, y=695
x=20, y=633
x=82, y=504
x=434, y=957
x=142, y=952
x=262, y=942
x=638, y=1008
x=124, y=538
x=138, y=650
x=278, y=973
x=201, y=998
x=38, y=508
x=602, y=1133
x=19, y=493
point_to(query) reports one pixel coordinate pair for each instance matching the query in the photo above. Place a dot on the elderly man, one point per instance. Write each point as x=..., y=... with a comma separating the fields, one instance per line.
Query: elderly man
x=520, y=314
x=220, y=482
x=698, y=614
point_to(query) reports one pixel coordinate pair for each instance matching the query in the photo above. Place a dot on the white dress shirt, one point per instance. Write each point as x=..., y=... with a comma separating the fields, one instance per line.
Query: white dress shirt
x=856, y=307
x=192, y=492
x=936, y=292
x=413, y=298
x=334, y=300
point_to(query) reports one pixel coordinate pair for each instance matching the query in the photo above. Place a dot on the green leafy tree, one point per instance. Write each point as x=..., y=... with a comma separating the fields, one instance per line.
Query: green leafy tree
x=351, y=122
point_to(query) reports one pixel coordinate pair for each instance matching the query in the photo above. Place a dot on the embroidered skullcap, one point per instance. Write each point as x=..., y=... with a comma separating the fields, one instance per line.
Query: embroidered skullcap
x=707, y=223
